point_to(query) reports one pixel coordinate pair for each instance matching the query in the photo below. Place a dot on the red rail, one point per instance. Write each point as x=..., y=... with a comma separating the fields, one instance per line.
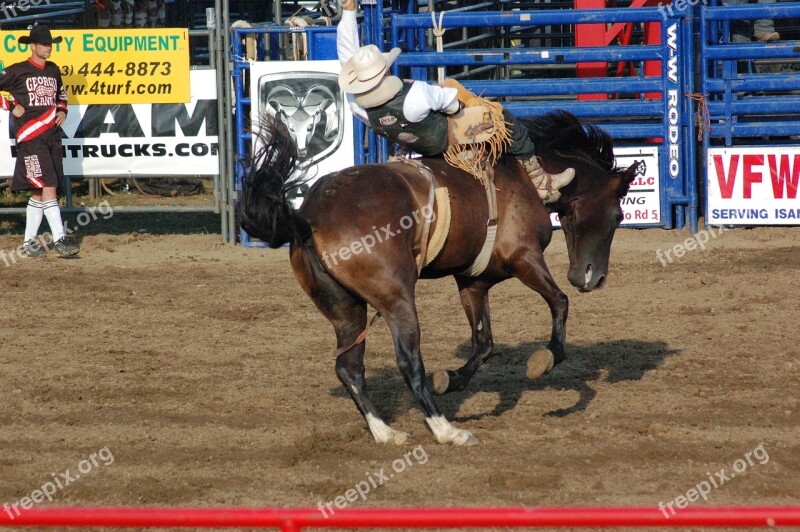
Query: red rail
x=294, y=519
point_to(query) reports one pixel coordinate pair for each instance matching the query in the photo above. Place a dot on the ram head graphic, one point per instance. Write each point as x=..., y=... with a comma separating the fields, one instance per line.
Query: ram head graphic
x=310, y=104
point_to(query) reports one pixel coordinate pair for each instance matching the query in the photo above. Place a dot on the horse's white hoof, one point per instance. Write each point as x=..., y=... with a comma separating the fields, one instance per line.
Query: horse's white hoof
x=441, y=381
x=383, y=433
x=401, y=438
x=393, y=436
x=541, y=362
x=464, y=438
x=447, y=433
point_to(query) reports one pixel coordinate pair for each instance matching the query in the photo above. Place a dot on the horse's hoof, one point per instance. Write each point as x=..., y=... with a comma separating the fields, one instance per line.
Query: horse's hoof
x=465, y=438
x=400, y=438
x=539, y=363
x=441, y=381
x=395, y=436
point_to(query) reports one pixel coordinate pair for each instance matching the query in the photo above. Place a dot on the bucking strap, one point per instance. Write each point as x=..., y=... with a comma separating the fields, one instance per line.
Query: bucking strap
x=480, y=263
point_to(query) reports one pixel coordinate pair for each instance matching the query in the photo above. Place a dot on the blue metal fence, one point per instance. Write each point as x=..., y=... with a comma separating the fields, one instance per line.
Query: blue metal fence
x=743, y=99
x=632, y=117
x=745, y=102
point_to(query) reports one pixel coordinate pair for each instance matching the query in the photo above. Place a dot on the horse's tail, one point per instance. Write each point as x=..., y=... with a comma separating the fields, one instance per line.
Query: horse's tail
x=264, y=207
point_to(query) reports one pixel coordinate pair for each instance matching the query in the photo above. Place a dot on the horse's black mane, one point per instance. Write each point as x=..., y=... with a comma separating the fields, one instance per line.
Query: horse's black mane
x=562, y=131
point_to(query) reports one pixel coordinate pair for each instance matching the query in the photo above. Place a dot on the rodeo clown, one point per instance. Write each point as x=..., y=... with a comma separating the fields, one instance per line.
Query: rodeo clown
x=415, y=114
x=40, y=110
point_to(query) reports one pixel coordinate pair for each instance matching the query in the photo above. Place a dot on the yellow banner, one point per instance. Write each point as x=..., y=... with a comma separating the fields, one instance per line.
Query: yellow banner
x=115, y=66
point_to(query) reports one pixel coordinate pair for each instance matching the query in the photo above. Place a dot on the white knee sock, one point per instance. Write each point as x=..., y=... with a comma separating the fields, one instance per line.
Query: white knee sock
x=33, y=219
x=53, y=214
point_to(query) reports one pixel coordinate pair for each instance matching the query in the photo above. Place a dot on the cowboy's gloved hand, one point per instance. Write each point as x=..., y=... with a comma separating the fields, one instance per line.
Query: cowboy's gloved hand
x=18, y=111
x=463, y=94
x=454, y=107
x=348, y=5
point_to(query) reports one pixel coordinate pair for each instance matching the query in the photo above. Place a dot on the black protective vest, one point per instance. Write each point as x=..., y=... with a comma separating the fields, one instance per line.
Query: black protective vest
x=428, y=137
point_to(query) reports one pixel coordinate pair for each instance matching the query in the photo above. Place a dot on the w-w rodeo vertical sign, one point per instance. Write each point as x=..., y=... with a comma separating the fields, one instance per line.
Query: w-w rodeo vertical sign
x=116, y=66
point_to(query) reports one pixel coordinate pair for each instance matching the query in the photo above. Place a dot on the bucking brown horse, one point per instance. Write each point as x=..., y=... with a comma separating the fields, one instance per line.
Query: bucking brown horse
x=356, y=237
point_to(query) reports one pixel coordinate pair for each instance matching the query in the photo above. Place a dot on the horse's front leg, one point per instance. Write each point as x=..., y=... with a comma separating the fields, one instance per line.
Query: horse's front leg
x=475, y=300
x=531, y=269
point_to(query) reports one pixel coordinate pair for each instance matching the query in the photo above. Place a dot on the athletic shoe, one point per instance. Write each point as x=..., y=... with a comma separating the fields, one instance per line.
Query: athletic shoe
x=65, y=249
x=32, y=249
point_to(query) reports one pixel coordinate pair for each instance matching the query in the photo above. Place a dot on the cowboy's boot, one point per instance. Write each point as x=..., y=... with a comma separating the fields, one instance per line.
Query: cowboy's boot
x=547, y=185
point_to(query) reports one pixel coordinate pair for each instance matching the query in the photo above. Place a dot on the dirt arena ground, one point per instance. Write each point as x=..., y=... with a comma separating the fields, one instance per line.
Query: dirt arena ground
x=200, y=374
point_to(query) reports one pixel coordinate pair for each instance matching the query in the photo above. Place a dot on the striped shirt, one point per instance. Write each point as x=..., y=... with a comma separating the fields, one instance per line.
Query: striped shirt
x=39, y=90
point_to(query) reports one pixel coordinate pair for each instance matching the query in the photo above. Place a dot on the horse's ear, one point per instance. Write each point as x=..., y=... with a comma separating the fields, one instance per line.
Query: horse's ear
x=627, y=176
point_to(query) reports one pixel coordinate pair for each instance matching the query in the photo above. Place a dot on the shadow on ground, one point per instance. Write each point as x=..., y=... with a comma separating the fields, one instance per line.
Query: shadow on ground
x=504, y=374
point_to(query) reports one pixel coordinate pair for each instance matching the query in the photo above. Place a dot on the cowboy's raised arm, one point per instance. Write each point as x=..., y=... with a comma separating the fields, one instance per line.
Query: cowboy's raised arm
x=347, y=41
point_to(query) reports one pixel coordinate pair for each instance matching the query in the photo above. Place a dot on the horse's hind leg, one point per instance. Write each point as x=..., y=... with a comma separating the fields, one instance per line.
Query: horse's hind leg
x=475, y=300
x=404, y=325
x=348, y=315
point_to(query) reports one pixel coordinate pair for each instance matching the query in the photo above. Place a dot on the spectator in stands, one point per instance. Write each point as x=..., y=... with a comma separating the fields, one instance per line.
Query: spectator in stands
x=117, y=14
x=36, y=86
x=156, y=13
x=763, y=29
x=413, y=114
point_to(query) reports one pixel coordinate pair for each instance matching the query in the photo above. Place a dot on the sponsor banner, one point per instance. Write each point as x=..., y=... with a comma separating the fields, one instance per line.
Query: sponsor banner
x=306, y=96
x=753, y=186
x=642, y=204
x=115, y=66
x=138, y=139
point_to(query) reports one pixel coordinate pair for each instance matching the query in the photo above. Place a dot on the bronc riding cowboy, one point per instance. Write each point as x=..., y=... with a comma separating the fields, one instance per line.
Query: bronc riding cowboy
x=431, y=119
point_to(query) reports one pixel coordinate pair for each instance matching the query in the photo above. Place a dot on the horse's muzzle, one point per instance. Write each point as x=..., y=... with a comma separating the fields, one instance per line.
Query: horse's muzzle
x=588, y=279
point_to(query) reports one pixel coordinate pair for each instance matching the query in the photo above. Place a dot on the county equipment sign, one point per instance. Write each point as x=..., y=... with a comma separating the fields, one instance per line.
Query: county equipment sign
x=115, y=66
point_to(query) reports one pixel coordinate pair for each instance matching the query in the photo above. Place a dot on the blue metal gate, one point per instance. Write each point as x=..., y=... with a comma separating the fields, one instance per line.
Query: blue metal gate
x=643, y=111
x=651, y=113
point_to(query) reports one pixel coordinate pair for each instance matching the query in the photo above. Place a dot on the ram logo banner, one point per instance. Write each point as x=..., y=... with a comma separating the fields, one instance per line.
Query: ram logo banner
x=641, y=207
x=305, y=95
x=136, y=139
x=753, y=186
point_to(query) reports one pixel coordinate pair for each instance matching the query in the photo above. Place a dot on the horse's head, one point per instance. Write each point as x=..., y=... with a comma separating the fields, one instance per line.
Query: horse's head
x=589, y=215
x=589, y=208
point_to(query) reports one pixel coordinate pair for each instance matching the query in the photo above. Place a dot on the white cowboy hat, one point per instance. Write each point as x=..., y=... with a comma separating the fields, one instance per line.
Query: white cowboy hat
x=365, y=70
